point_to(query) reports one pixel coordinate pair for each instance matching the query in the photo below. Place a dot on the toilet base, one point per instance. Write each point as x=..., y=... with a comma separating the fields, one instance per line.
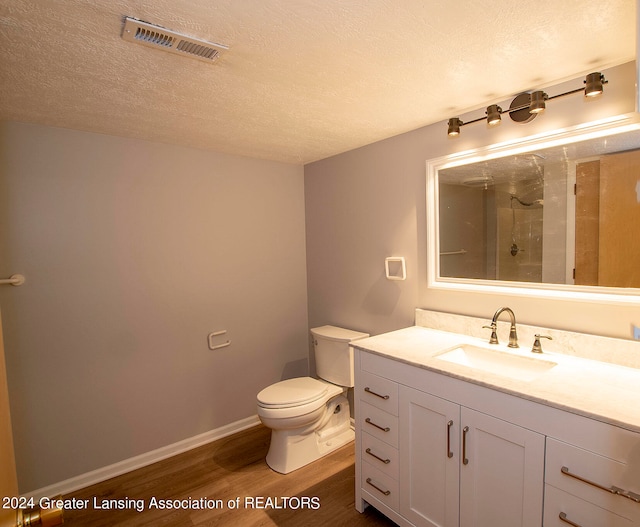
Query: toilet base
x=293, y=449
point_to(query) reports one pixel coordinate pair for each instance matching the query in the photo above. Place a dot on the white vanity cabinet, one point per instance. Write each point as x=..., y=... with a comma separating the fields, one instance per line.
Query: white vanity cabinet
x=437, y=451
x=440, y=464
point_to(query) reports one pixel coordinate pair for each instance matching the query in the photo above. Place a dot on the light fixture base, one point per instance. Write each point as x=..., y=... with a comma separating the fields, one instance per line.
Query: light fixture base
x=521, y=116
x=526, y=106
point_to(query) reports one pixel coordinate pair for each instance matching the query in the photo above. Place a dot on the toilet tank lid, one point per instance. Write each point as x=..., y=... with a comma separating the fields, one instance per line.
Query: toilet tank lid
x=336, y=333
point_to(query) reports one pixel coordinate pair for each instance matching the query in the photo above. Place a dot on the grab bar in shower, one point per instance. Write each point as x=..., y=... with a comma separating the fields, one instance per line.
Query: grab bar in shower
x=447, y=253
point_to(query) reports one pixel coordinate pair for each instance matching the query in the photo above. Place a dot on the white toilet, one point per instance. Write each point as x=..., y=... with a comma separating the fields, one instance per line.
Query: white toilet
x=310, y=417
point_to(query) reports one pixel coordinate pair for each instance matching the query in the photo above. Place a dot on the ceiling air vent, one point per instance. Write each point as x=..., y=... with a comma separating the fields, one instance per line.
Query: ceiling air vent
x=161, y=38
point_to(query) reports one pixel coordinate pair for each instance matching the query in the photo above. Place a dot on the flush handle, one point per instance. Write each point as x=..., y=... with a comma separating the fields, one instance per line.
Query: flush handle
x=564, y=518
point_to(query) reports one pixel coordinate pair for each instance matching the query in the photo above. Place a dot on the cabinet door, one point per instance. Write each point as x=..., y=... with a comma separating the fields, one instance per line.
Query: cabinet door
x=501, y=474
x=429, y=459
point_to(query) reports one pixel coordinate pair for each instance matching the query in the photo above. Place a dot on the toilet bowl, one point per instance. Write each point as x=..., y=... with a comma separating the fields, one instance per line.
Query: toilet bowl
x=303, y=430
x=309, y=417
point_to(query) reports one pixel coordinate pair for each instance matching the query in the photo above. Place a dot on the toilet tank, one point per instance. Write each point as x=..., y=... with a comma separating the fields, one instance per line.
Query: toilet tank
x=334, y=356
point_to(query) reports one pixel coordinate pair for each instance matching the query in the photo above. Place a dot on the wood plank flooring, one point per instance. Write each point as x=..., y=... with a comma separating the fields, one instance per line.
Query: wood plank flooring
x=229, y=469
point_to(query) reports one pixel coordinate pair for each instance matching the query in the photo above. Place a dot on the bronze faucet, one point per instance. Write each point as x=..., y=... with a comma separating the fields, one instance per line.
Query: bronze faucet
x=513, y=336
x=537, y=347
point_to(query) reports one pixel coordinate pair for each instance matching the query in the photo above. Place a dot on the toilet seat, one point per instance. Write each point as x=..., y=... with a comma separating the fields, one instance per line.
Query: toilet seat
x=295, y=397
x=297, y=392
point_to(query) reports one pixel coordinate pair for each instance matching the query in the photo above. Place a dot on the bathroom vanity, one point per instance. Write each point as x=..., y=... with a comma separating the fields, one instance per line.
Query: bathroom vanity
x=452, y=431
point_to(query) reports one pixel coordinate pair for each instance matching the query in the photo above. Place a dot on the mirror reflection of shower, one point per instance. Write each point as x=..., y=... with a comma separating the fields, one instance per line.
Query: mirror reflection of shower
x=519, y=230
x=584, y=190
x=514, y=249
x=492, y=220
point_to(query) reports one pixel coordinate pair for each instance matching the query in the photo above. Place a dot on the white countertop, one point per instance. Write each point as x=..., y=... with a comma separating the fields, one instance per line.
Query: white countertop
x=607, y=392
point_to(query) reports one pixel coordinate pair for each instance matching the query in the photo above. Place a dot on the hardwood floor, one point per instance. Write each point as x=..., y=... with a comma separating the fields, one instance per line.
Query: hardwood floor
x=230, y=470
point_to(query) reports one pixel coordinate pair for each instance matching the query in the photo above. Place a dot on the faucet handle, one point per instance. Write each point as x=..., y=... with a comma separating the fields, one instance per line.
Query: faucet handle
x=537, y=347
x=494, y=336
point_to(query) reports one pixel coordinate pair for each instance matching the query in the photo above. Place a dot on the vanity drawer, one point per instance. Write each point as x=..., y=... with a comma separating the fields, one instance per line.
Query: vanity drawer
x=380, y=424
x=592, y=476
x=380, y=455
x=381, y=486
x=558, y=503
x=379, y=392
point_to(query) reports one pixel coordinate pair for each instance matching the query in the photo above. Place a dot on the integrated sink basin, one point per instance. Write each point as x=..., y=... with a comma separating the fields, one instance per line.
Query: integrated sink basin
x=497, y=362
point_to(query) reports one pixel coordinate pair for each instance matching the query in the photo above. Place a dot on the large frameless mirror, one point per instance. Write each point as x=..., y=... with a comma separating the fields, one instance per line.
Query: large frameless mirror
x=556, y=212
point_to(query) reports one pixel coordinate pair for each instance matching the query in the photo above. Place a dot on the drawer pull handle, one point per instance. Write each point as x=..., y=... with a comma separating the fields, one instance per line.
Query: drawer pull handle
x=465, y=430
x=385, y=492
x=383, y=428
x=449, y=453
x=369, y=390
x=612, y=489
x=564, y=518
x=385, y=461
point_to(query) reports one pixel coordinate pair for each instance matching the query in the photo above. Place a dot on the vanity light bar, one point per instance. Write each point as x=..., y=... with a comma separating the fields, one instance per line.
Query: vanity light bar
x=536, y=104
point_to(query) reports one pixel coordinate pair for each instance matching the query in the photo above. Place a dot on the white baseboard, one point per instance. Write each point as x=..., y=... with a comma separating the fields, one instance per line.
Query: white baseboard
x=127, y=465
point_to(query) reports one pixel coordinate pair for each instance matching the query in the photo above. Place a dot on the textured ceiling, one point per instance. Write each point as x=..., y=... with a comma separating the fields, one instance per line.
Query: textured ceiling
x=302, y=79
